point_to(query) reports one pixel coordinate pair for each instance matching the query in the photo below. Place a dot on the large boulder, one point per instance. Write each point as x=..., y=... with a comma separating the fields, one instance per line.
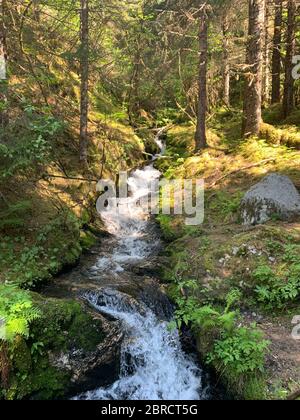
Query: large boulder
x=274, y=196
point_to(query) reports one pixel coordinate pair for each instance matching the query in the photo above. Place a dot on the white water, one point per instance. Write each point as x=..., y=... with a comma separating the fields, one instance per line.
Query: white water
x=129, y=223
x=153, y=364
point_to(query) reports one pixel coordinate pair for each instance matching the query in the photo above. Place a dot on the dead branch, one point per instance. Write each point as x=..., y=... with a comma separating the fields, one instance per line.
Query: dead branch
x=72, y=178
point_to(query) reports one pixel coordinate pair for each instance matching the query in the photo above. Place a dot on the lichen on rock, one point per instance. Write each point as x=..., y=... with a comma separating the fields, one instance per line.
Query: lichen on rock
x=275, y=196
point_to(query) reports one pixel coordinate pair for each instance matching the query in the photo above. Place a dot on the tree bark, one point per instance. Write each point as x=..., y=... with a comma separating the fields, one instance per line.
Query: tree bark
x=266, y=68
x=253, y=90
x=226, y=65
x=276, y=58
x=84, y=65
x=37, y=12
x=3, y=69
x=200, y=135
x=288, y=96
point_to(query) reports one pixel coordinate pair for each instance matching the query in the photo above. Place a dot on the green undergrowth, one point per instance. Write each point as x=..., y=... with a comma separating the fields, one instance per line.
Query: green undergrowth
x=28, y=260
x=219, y=271
x=61, y=326
x=46, y=223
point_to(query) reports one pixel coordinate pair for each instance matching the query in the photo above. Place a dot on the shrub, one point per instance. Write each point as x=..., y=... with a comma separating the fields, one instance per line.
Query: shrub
x=241, y=353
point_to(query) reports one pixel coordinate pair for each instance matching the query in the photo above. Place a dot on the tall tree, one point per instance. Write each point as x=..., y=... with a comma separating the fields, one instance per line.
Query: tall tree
x=3, y=68
x=226, y=65
x=288, y=96
x=253, y=90
x=84, y=65
x=266, y=57
x=276, y=58
x=200, y=135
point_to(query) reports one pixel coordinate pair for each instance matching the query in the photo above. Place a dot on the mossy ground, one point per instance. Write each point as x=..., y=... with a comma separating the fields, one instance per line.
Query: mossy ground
x=222, y=255
x=64, y=326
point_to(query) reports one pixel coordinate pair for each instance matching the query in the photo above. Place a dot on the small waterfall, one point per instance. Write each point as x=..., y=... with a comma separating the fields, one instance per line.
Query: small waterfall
x=130, y=225
x=153, y=365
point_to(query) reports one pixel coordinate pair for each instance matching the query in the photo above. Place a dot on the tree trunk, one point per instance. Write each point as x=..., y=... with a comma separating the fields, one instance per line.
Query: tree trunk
x=288, y=96
x=133, y=99
x=84, y=64
x=3, y=69
x=276, y=59
x=253, y=90
x=4, y=365
x=266, y=69
x=36, y=10
x=226, y=65
x=200, y=135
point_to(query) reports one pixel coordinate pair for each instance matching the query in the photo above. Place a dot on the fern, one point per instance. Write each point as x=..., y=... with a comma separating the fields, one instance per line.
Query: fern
x=16, y=312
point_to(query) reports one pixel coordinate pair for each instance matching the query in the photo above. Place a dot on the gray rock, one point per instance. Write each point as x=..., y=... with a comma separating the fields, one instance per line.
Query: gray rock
x=274, y=195
x=92, y=369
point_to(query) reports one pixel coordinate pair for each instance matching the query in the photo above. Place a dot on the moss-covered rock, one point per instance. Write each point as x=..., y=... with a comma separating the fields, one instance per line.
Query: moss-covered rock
x=62, y=353
x=275, y=195
x=288, y=136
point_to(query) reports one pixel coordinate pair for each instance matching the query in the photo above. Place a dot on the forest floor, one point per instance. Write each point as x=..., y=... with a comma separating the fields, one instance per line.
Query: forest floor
x=222, y=257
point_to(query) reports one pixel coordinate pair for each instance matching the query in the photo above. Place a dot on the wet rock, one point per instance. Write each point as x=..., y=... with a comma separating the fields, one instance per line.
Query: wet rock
x=275, y=195
x=74, y=348
x=104, y=298
x=150, y=267
x=90, y=369
x=156, y=300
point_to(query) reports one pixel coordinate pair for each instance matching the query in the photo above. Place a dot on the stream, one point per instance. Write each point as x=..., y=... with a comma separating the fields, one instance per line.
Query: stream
x=154, y=365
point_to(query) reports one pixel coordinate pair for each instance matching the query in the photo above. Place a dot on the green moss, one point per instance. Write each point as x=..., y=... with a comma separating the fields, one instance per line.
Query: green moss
x=43, y=382
x=87, y=240
x=288, y=136
x=66, y=316
x=21, y=356
x=64, y=325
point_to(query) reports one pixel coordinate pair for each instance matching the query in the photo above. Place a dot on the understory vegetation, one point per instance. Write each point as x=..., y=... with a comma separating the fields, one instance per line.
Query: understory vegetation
x=235, y=286
x=85, y=86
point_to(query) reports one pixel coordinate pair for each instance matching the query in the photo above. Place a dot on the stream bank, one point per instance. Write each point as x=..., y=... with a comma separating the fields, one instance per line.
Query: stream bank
x=234, y=278
x=118, y=331
x=56, y=229
x=118, y=281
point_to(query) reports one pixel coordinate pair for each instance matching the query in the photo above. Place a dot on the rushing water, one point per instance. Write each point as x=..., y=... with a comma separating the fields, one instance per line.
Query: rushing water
x=153, y=364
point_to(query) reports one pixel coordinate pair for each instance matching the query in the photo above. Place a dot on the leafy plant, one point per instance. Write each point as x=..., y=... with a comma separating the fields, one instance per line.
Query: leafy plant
x=242, y=352
x=263, y=274
x=206, y=317
x=16, y=312
x=292, y=254
x=233, y=297
x=31, y=146
x=274, y=290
